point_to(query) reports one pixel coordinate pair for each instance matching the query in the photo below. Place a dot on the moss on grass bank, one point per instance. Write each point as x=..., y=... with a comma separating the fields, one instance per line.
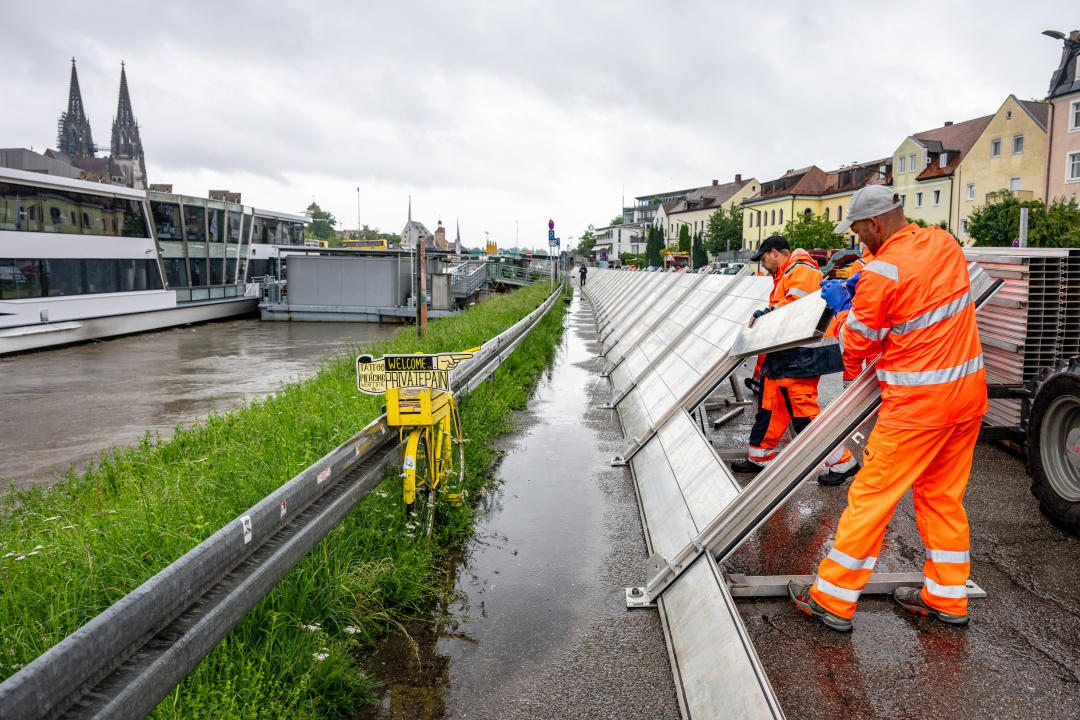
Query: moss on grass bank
x=71, y=551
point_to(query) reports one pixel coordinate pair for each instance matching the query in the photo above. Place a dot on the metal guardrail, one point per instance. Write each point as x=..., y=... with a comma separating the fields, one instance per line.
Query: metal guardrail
x=123, y=662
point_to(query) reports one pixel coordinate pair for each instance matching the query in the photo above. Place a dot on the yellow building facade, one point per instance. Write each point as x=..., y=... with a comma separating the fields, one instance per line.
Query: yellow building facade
x=1010, y=154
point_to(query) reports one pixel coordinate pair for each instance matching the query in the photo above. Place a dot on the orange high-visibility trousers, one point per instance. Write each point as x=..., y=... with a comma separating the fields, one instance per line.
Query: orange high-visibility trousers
x=936, y=463
x=784, y=402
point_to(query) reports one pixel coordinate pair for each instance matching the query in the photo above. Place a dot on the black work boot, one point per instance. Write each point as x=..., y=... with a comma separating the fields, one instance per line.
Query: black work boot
x=831, y=478
x=746, y=467
x=910, y=598
x=799, y=592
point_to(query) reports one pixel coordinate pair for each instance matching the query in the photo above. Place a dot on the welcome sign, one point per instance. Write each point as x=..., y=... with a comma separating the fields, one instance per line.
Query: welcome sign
x=376, y=376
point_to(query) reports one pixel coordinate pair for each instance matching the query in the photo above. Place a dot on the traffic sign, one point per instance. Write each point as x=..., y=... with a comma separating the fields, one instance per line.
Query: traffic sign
x=551, y=236
x=551, y=224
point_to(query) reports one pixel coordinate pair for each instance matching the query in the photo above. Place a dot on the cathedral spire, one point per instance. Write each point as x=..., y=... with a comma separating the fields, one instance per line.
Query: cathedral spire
x=73, y=129
x=127, y=149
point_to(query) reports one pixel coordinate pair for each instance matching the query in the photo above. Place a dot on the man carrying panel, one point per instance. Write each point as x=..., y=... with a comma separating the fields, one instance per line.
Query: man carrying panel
x=914, y=308
x=790, y=377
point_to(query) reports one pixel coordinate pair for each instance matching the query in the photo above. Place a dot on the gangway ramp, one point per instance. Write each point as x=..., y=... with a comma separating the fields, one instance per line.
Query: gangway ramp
x=694, y=513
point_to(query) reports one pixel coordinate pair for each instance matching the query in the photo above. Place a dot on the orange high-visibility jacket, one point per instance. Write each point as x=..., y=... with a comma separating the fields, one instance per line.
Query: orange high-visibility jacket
x=913, y=305
x=797, y=277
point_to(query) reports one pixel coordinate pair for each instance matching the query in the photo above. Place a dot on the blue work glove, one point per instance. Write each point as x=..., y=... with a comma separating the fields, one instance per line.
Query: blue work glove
x=851, y=282
x=835, y=295
x=762, y=311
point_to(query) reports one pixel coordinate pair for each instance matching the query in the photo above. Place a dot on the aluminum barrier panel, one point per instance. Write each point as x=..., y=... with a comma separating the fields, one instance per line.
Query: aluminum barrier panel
x=684, y=367
x=628, y=369
x=625, y=301
x=649, y=313
x=633, y=303
x=615, y=285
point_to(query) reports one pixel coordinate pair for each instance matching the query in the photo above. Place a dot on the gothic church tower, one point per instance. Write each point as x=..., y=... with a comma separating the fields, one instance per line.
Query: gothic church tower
x=73, y=128
x=127, y=149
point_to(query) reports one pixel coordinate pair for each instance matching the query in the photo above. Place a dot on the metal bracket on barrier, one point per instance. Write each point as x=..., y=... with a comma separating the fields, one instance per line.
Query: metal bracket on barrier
x=637, y=597
x=630, y=451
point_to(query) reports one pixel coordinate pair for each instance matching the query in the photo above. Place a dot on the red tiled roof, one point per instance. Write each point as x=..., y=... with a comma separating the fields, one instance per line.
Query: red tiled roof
x=955, y=139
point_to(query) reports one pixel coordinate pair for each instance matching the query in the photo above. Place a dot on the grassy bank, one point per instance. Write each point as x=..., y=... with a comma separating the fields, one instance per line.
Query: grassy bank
x=73, y=550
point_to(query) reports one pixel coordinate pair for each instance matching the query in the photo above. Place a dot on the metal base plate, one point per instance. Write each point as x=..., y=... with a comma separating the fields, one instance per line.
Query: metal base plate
x=636, y=597
x=879, y=584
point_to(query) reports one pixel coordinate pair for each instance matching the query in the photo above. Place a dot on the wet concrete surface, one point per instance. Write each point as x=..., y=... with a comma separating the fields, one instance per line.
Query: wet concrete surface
x=1018, y=658
x=63, y=407
x=537, y=627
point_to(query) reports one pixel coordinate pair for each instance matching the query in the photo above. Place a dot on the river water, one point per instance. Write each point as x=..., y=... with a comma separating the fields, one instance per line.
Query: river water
x=63, y=407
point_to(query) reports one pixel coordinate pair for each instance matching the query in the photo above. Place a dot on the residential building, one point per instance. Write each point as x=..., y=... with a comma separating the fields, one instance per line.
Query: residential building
x=808, y=190
x=419, y=230
x=614, y=240
x=924, y=168
x=645, y=206
x=1063, y=143
x=1009, y=154
x=694, y=212
x=24, y=159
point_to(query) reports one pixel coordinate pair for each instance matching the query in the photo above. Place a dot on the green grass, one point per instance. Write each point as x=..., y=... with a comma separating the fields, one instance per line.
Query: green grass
x=71, y=551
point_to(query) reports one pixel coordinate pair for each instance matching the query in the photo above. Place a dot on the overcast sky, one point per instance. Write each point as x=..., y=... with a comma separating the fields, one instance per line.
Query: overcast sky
x=505, y=114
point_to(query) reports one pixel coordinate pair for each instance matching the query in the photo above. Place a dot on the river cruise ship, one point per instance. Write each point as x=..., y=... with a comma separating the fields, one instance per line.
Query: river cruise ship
x=81, y=261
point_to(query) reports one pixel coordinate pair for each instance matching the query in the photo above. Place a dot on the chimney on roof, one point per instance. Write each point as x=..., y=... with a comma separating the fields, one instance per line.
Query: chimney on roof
x=715, y=183
x=948, y=123
x=738, y=177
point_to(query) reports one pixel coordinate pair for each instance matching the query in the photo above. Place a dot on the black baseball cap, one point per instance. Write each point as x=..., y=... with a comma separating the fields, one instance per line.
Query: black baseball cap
x=773, y=242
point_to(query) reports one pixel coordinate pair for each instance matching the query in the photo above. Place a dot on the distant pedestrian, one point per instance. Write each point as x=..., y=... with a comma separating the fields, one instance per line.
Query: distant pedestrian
x=583, y=272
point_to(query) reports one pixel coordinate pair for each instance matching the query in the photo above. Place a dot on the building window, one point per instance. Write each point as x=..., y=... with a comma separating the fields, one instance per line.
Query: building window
x=937, y=197
x=995, y=147
x=901, y=164
x=970, y=191
x=1018, y=144
x=903, y=200
x=772, y=218
x=911, y=163
x=826, y=213
x=918, y=199
x=1074, y=116
x=781, y=216
x=1008, y=114
x=1072, y=168
x=943, y=160
x=839, y=213
x=1014, y=184
x=963, y=226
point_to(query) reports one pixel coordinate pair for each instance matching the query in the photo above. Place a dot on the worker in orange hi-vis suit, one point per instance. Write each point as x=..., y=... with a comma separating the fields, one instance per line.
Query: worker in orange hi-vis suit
x=913, y=307
x=790, y=377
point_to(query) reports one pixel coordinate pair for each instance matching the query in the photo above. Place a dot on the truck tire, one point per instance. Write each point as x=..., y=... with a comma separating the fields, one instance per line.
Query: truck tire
x=1053, y=444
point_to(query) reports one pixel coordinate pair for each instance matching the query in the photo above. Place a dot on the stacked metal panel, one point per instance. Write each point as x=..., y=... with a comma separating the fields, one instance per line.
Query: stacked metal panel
x=1033, y=322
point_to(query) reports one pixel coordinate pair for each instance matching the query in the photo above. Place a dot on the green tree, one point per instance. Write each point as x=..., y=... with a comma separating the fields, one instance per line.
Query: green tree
x=587, y=240
x=684, y=238
x=699, y=257
x=322, y=227
x=637, y=259
x=812, y=231
x=724, y=231
x=997, y=223
x=653, y=245
x=617, y=220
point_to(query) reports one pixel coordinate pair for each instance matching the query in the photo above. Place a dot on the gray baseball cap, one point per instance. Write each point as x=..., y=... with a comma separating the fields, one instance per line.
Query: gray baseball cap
x=868, y=202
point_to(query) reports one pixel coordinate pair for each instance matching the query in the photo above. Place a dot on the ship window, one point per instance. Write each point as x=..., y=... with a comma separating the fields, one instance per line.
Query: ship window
x=217, y=271
x=245, y=232
x=217, y=225
x=19, y=278
x=166, y=220
x=101, y=276
x=230, y=270
x=175, y=272
x=198, y=272
x=63, y=277
x=234, y=226
x=195, y=223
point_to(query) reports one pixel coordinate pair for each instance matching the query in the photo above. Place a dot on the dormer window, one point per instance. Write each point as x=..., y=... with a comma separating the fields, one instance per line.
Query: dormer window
x=943, y=160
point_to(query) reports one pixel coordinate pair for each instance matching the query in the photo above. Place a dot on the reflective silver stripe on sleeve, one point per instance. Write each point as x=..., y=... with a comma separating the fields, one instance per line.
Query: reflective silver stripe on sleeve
x=934, y=316
x=865, y=330
x=945, y=591
x=842, y=558
x=884, y=269
x=797, y=292
x=948, y=556
x=836, y=591
x=840, y=337
x=931, y=377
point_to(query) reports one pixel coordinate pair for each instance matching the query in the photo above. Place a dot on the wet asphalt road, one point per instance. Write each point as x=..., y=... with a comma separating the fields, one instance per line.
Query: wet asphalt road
x=1018, y=658
x=538, y=626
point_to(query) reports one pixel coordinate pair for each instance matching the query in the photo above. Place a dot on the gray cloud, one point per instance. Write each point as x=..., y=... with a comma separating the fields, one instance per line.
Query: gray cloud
x=504, y=112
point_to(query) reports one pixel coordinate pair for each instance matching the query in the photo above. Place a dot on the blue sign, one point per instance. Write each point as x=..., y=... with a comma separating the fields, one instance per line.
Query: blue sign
x=551, y=236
